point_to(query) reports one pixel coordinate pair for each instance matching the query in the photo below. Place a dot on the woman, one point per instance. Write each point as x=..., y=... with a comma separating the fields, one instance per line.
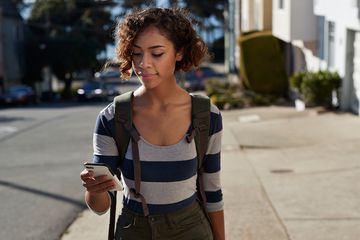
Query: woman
x=156, y=43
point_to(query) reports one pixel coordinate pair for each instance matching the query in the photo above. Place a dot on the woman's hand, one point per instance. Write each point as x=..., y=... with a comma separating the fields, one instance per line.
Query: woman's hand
x=96, y=195
x=96, y=185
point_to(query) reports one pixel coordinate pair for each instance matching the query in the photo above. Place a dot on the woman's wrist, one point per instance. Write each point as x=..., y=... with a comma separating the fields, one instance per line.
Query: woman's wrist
x=99, y=202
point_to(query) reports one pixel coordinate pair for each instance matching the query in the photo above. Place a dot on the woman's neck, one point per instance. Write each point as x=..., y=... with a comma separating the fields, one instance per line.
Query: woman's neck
x=160, y=96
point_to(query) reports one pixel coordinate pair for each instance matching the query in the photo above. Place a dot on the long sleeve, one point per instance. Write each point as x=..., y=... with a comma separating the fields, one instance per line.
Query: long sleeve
x=105, y=150
x=212, y=166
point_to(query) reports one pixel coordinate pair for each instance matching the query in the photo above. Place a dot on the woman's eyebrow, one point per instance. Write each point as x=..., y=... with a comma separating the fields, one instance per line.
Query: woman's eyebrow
x=152, y=47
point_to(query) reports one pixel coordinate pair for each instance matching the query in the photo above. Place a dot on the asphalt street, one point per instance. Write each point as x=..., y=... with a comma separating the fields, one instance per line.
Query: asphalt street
x=42, y=150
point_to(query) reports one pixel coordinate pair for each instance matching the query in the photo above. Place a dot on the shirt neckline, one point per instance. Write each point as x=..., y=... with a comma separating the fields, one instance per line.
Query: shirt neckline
x=166, y=146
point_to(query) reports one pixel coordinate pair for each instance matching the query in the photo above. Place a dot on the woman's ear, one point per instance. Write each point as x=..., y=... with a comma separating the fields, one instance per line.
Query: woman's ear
x=179, y=55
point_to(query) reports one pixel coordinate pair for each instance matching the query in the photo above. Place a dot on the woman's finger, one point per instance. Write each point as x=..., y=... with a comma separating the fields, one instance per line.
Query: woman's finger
x=97, y=187
x=106, y=186
x=85, y=174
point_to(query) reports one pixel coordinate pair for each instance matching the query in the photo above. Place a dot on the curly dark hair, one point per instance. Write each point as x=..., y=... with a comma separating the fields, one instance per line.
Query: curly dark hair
x=174, y=23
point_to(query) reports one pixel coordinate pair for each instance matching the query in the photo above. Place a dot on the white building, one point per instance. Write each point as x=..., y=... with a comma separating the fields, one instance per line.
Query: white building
x=318, y=34
x=323, y=34
x=244, y=16
x=294, y=22
x=256, y=15
x=340, y=44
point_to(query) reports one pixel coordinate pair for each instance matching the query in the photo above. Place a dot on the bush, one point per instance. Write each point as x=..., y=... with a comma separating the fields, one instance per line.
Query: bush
x=296, y=79
x=316, y=88
x=262, y=64
x=223, y=94
x=215, y=86
x=228, y=96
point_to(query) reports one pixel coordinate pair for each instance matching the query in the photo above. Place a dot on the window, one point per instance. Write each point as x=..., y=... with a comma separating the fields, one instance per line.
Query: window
x=281, y=4
x=331, y=44
x=321, y=37
x=257, y=12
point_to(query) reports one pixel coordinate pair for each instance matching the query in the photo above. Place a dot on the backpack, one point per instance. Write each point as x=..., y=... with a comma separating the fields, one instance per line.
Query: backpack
x=125, y=132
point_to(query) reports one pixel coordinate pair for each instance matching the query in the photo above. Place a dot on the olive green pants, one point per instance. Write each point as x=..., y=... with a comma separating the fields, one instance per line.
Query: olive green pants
x=189, y=223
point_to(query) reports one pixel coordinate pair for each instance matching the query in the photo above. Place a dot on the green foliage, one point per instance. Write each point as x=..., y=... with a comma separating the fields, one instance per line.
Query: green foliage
x=316, y=87
x=203, y=12
x=227, y=96
x=296, y=79
x=261, y=64
x=223, y=94
x=207, y=9
x=215, y=86
x=217, y=50
x=67, y=36
x=136, y=4
x=73, y=33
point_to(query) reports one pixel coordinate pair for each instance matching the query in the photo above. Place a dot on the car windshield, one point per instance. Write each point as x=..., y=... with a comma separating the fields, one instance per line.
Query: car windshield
x=18, y=89
x=91, y=85
x=110, y=74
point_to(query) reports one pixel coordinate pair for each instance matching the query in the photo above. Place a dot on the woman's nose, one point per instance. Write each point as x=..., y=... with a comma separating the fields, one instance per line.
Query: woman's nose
x=145, y=61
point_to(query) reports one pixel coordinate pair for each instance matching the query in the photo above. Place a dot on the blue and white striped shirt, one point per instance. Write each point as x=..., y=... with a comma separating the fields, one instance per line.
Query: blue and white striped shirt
x=168, y=173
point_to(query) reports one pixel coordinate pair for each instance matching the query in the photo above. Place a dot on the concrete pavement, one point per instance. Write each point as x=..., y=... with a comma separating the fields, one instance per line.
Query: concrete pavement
x=285, y=175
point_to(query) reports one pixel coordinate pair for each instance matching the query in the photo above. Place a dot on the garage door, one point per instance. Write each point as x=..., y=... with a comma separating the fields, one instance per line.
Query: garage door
x=356, y=76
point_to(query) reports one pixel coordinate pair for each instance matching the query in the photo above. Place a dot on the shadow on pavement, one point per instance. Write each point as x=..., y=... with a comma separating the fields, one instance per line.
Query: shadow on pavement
x=5, y=119
x=43, y=193
x=54, y=105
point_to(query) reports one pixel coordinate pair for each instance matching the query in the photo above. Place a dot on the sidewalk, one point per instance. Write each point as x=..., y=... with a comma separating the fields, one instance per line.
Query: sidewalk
x=285, y=175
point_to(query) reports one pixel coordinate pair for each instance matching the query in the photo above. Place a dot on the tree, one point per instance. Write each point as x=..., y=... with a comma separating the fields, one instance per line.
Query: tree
x=209, y=14
x=70, y=34
x=131, y=4
x=207, y=9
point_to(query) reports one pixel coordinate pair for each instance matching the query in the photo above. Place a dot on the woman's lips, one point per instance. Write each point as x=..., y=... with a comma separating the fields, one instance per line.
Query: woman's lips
x=147, y=75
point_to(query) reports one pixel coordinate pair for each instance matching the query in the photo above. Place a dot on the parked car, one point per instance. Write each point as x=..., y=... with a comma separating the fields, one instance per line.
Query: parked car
x=110, y=73
x=117, y=87
x=195, y=79
x=112, y=90
x=18, y=94
x=92, y=90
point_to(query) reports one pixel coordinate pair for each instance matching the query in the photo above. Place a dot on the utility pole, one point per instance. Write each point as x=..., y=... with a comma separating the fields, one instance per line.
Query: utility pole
x=47, y=68
x=226, y=36
x=237, y=30
x=3, y=77
x=230, y=39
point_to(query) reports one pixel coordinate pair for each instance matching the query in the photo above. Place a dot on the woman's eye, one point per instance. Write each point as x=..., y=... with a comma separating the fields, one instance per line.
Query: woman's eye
x=157, y=54
x=136, y=54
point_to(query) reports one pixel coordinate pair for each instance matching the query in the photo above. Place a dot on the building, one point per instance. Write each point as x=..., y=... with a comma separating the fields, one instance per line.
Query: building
x=256, y=15
x=11, y=45
x=339, y=45
x=317, y=34
x=294, y=23
x=244, y=16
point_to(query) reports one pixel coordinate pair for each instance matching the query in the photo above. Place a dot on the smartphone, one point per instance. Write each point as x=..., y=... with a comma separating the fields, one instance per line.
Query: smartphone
x=101, y=169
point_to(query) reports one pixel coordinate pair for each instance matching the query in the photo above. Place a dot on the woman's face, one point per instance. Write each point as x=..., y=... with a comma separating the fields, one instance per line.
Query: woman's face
x=154, y=58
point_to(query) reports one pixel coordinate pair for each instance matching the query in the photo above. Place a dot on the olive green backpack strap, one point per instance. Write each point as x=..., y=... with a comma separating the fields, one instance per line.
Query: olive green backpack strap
x=201, y=126
x=123, y=116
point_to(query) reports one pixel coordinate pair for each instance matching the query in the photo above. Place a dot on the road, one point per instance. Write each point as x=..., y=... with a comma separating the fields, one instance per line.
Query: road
x=41, y=154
